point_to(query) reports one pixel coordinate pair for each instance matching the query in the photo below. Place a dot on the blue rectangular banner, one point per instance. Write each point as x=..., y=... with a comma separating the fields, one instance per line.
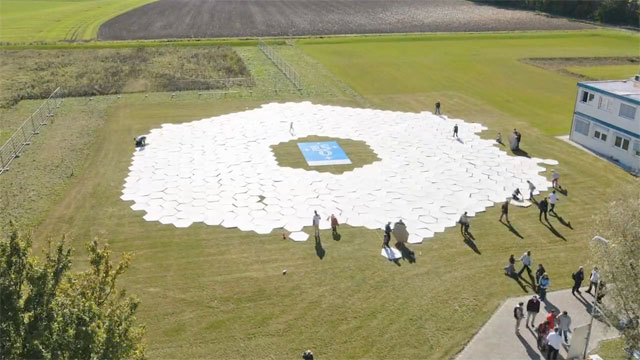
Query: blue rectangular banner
x=323, y=153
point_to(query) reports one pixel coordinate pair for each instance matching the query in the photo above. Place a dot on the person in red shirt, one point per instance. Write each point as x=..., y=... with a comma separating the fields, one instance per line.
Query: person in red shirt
x=551, y=320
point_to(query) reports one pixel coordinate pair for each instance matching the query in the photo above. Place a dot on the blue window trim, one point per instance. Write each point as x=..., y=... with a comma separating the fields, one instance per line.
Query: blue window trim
x=619, y=97
x=605, y=124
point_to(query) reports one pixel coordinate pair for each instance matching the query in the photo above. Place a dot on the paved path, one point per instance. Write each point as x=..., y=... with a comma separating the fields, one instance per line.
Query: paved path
x=497, y=338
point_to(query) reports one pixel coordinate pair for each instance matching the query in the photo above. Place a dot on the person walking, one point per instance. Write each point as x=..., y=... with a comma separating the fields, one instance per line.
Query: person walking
x=455, y=130
x=543, y=205
x=518, y=313
x=505, y=211
x=554, y=341
x=438, y=107
x=539, y=273
x=533, y=308
x=577, y=277
x=532, y=188
x=554, y=178
x=464, y=224
x=316, y=224
x=334, y=224
x=511, y=269
x=544, y=286
x=564, y=325
x=526, y=263
x=553, y=198
x=594, y=279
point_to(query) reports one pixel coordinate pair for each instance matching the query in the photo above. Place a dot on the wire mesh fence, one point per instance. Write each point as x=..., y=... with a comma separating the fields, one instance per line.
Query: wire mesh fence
x=31, y=126
x=286, y=69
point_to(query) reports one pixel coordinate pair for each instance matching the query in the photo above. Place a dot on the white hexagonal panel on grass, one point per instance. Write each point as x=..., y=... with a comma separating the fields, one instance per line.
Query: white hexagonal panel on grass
x=222, y=171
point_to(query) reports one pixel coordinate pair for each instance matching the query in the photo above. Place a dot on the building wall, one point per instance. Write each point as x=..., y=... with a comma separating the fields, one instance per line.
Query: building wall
x=601, y=114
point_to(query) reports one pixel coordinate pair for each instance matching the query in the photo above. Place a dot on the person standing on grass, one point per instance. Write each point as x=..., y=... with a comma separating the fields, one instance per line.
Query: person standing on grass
x=505, y=212
x=593, y=279
x=541, y=271
x=518, y=139
x=334, y=224
x=543, y=205
x=518, y=313
x=552, y=200
x=316, y=224
x=544, y=286
x=499, y=139
x=554, y=341
x=577, y=277
x=533, y=308
x=526, y=263
x=564, y=325
x=532, y=188
x=455, y=130
x=464, y=224
x=438, y=107
x=554, y=178
x=510, y=269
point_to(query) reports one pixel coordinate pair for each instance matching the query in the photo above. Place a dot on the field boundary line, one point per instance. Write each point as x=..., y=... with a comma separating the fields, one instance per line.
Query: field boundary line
x=13, y=147
x=346, y=88
x=284, y=67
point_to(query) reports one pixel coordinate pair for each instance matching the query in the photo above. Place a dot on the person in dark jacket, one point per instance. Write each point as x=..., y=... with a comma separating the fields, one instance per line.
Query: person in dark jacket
x=578, y=277
x=533, y=308
x=543, y=205
x=539, y=273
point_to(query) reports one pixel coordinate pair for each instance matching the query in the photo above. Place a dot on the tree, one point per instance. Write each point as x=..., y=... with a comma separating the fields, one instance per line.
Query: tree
x=619, y=261
x=47, y=312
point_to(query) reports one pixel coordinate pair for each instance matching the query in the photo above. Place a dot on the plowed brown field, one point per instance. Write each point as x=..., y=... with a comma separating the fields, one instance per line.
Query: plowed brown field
x=239, y=18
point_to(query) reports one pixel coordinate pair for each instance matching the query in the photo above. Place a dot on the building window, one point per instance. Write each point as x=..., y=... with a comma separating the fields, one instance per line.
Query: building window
x=605, y=103
x=587, y=97
x=636, y=148
x=621, y=143
x=581, y=126
x=600, y=133
x=627, y=111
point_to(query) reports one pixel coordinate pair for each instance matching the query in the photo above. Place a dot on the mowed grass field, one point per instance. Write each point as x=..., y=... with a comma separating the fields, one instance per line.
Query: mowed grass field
x=210, y=292
x=27, y=21
x=606, y=72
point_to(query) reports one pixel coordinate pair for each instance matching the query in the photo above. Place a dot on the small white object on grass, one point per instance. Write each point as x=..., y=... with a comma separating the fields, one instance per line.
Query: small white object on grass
x=284, y=272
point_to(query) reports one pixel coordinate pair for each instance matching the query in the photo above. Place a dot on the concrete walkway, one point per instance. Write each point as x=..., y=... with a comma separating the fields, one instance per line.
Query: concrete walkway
x=498, y=340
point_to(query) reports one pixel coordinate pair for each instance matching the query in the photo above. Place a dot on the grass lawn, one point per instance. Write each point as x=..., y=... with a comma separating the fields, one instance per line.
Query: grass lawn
x=607, y=72
x=210, y=292
x=27, y=21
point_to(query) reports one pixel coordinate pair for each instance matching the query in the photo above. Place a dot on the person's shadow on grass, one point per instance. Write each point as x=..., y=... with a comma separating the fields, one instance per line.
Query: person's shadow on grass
x=565, y=223
x=469, y=240
x=520, y=152
x=336, y=236
x=553, y=230
x=407, y=254
x=512, y=229
x=319, y=249
x=516, y=277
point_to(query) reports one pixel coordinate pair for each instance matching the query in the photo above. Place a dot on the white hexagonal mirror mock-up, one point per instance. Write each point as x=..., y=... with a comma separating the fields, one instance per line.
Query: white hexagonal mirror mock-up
x=222, y=171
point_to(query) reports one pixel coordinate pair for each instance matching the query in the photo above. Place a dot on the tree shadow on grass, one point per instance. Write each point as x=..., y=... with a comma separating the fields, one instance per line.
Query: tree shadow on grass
x=319, y=249
x=553, y=230
x=407, y=253
x=512, y=229
x=470, y=243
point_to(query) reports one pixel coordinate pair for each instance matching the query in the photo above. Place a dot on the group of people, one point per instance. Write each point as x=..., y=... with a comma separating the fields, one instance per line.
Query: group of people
x=316, y=224
x=515, y=140
x=541, y=282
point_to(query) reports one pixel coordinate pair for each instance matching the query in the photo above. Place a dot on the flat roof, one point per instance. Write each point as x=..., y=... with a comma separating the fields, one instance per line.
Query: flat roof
x=629, y=88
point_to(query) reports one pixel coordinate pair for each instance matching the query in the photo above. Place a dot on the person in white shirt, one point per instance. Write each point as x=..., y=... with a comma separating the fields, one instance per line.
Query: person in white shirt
x=594, y=279
x=554, y=341
x=316, y=224
x=552, y=200
x=526, y=263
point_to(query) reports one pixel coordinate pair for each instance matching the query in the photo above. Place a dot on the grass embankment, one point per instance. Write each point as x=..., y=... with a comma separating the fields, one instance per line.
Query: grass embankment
x=214, y=292
x=34, y=74
x=28, y=21
x=607, y=72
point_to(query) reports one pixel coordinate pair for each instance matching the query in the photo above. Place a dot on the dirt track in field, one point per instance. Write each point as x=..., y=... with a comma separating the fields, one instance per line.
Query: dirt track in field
x=240, y=18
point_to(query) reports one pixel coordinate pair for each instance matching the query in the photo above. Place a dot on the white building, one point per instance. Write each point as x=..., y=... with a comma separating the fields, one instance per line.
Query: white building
x=606, y=120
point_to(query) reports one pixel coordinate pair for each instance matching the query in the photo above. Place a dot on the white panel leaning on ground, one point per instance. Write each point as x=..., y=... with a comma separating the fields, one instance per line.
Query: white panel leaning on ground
x=222, y=171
